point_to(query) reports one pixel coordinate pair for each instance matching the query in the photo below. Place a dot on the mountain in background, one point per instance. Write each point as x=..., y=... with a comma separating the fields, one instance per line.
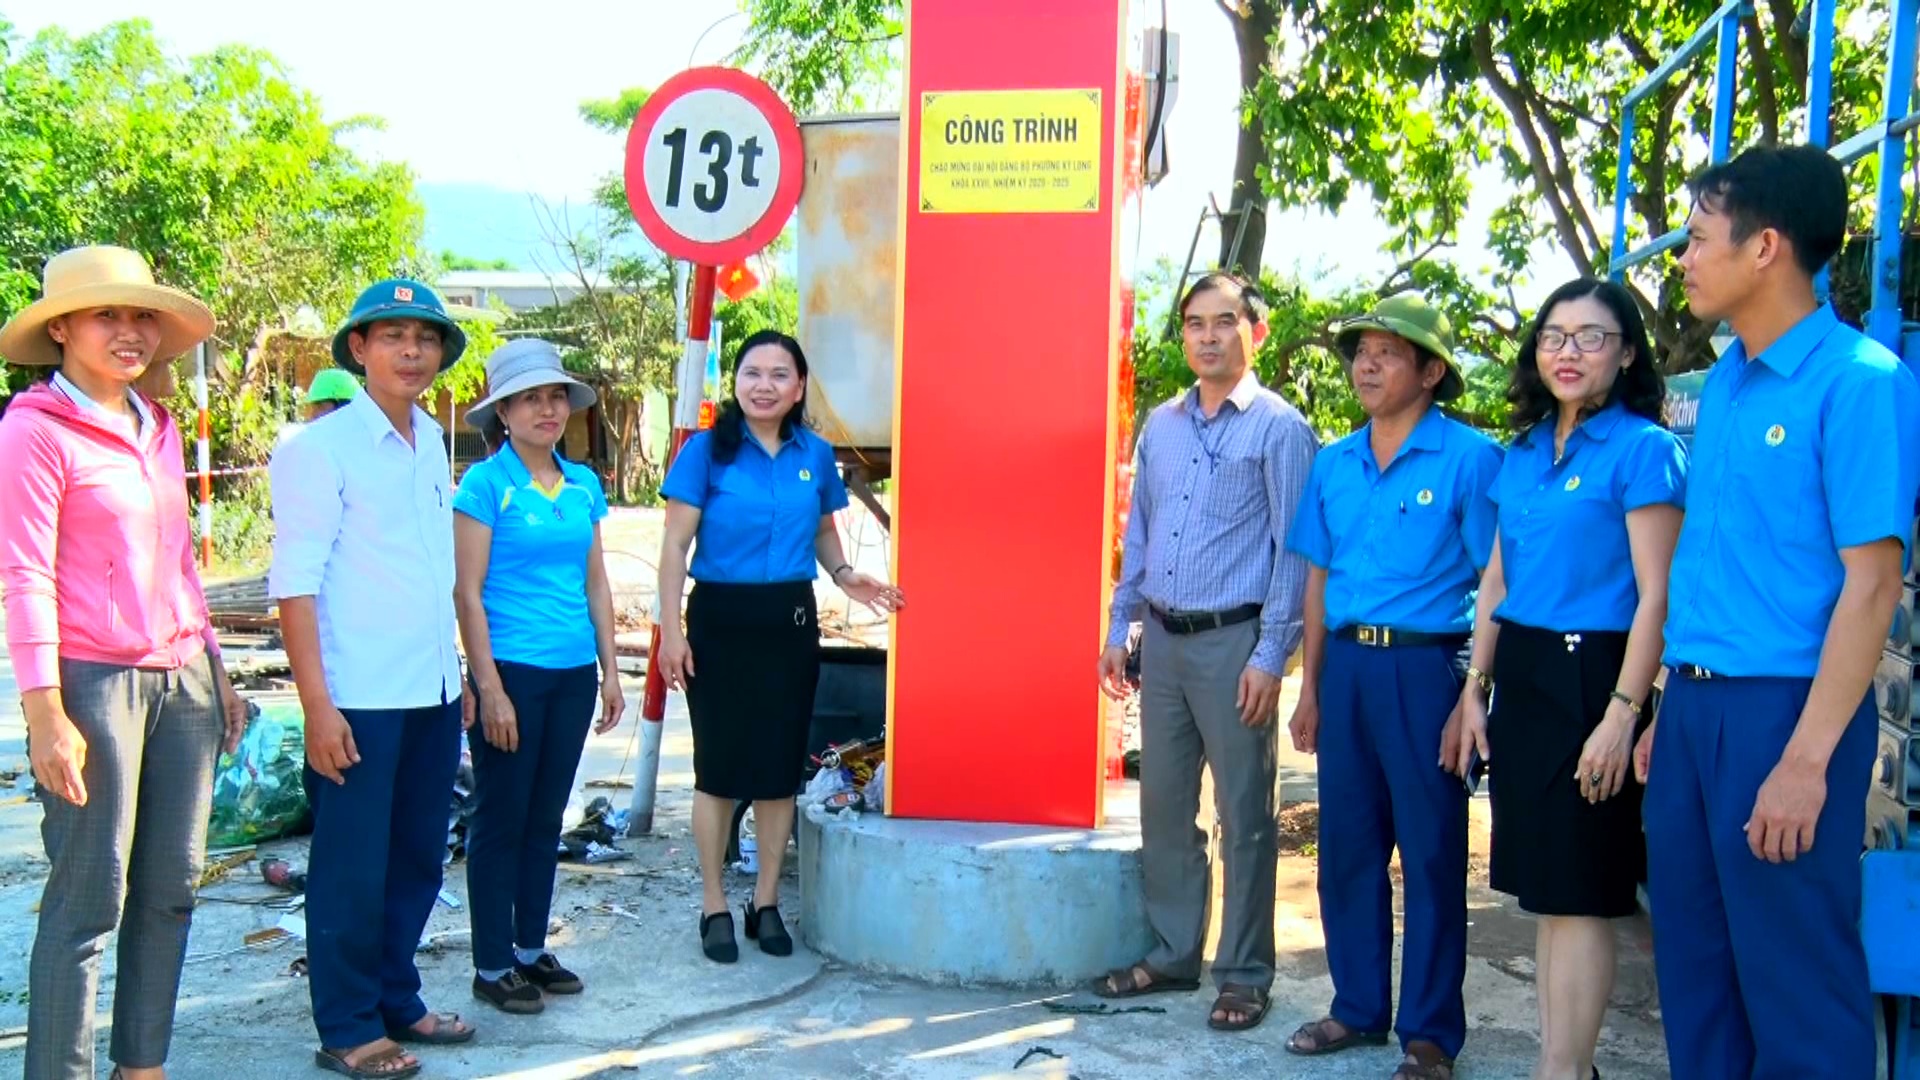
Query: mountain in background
x=486, y=224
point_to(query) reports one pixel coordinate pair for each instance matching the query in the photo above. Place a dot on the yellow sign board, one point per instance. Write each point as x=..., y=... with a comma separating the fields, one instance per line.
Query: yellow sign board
x=1010, y=152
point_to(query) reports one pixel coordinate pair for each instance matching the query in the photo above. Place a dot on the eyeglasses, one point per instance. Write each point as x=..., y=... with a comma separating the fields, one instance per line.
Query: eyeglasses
x=1585, y=341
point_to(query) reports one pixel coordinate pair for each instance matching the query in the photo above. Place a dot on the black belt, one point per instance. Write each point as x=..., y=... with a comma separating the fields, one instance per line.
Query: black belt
x=1695, y=672
x=1195, y=622
x=1386, y=637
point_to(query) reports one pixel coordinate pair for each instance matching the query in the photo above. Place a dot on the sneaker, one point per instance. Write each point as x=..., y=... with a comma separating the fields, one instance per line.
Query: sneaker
x=510, y=993
x=547, y=974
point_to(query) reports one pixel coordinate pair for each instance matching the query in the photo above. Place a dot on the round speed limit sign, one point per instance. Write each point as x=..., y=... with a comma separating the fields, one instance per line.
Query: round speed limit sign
x=713, y=166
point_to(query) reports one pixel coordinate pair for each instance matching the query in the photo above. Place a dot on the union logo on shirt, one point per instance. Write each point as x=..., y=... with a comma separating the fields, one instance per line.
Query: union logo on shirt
x=805, y=474
x=1573, y=483
x=1425, y=498
x=1776, y=435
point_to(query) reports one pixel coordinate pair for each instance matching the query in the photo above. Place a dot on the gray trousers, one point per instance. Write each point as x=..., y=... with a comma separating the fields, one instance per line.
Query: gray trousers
x=1188, y=719
x=130, y=859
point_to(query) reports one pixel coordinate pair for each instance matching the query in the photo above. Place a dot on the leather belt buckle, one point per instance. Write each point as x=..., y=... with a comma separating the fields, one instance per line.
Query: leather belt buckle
x=1377, y=636
x=1696, y=673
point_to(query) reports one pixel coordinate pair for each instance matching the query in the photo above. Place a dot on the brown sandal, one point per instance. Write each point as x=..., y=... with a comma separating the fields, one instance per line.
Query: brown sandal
x=1425, y=1061
x=369, y=1067
x=1250, y=1002
x=1125, y=983
x=1317, y=1038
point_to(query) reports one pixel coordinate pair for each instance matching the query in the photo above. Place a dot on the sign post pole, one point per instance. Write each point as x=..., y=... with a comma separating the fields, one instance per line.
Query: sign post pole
x=713, y=171
x=690, y=381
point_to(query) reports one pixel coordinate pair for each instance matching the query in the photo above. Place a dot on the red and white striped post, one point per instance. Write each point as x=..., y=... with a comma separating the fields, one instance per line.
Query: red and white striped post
x=690, y=392
x=714, y=168
x=203, y=454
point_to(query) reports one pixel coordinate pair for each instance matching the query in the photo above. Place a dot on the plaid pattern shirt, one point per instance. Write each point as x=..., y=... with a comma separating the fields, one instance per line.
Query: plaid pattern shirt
x=1212, y=502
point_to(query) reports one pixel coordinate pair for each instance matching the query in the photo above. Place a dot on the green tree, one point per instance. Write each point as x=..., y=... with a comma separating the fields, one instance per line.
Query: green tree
x=1398, y=103
x=218, y=168
x=1299, y=359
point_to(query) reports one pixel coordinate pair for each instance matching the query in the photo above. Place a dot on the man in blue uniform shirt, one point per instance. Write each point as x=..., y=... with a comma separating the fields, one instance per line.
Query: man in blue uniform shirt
x=1784, y=583
x=1396, y=526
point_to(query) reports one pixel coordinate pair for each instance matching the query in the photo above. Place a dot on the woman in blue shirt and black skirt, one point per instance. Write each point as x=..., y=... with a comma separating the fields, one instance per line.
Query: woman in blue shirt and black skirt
x=758, y=492
x=1570, y=613
x=536, y=615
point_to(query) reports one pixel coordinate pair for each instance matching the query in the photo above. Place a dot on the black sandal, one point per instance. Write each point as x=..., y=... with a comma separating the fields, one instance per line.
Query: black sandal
x=716, y=937
x=765, y=926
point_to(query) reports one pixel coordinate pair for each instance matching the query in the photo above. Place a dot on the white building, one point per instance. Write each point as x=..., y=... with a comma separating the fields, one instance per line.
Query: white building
x=517, y=290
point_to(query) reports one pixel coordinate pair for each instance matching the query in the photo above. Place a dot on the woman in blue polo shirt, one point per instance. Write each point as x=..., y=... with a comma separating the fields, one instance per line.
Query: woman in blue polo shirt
x=536, y=615
x=758, y=492
x=1569, y=625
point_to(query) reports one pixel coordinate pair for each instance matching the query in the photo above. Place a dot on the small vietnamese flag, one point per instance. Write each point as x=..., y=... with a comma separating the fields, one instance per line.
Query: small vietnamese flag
x=736, y=281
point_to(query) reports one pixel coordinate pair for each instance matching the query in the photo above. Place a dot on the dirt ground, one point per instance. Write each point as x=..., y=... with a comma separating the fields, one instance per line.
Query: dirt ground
x=655, y=1007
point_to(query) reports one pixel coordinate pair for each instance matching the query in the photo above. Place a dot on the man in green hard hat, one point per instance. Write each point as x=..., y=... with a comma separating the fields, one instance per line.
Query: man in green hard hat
x=1396, y=527
x=329, y=390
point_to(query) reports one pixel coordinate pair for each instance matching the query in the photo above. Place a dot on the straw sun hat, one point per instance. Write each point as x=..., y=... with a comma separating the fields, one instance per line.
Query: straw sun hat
x=97, y=276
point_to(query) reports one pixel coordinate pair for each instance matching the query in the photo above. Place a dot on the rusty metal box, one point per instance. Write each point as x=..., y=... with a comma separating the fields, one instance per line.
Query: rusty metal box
x=847, y=262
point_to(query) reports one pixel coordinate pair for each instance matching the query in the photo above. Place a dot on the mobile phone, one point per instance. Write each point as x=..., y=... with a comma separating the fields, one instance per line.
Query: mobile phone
x=1476, y=771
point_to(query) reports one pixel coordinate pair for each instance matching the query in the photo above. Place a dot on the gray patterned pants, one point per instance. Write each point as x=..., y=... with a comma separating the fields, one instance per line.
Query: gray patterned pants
x=152, y=739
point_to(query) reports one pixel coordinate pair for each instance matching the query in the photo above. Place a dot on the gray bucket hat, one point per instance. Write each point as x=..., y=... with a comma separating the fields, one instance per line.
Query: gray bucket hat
x=523, y=365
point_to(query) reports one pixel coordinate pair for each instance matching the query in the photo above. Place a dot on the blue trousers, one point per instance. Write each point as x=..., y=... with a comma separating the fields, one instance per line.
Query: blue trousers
x=513, y=842
x=1761, y=968
x=1381, y=716
x=374, y=872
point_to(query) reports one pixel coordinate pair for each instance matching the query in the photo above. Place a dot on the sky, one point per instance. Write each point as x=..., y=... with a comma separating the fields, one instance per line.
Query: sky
x=482, y=102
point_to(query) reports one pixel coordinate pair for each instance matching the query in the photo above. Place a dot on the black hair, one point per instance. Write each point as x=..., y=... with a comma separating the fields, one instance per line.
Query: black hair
x=493, y=433
x=730, y=427
x=1639, y=386
x=1799, y=191
x=1253, y=303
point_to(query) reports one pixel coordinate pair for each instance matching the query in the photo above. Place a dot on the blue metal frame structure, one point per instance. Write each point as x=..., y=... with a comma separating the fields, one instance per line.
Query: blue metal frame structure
x=1887, y=136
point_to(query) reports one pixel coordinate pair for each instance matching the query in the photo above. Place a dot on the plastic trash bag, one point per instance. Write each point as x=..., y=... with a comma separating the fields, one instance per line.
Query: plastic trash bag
x=259, y=790
x=825, y=783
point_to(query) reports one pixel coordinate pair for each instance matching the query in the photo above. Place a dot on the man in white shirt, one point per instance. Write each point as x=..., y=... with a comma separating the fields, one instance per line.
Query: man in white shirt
x=363, y=572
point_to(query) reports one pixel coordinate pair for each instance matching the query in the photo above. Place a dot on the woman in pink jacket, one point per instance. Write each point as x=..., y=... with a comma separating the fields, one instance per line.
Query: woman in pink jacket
x=107, y=627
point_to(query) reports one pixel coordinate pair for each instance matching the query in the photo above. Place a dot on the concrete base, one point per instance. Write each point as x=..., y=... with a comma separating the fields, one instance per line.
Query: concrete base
x=949, y=902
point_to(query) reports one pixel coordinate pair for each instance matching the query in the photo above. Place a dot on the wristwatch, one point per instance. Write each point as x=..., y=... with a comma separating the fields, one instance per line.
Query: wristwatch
x=1485, y=680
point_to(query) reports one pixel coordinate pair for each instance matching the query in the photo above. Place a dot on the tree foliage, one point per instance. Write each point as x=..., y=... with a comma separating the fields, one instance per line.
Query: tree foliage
x=218, y=168
x=1298, y=358
x=827, y=55
x=1398, y=103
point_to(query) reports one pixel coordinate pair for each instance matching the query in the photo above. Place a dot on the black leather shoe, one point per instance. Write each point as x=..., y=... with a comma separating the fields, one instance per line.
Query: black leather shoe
x=547, y=974
x=716, y=937
x=510, y=993
x=765, y=926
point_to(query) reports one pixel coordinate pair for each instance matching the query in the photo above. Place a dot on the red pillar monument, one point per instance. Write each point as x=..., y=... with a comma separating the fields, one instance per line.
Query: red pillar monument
x=1020, y=159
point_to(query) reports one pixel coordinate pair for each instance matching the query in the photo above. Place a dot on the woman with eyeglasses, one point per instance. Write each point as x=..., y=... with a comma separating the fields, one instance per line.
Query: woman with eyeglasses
x=1568, y=641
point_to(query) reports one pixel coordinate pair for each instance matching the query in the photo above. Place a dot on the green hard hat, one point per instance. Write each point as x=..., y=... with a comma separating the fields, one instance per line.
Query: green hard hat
x=1408, y=315
x=332, y=384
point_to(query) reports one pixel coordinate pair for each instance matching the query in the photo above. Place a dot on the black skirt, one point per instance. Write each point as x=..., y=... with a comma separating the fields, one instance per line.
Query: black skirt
x=1554, y=851
x=756, y=663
